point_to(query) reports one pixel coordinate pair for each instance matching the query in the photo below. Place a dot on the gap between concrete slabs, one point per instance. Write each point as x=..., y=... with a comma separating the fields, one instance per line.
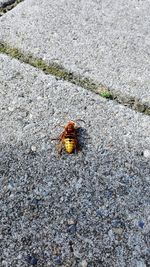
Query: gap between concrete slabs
x=92, y=207
x=87, y=83
x=7, y=5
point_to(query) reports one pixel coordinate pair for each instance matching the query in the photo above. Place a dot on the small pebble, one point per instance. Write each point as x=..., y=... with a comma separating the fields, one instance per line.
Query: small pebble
x=72, y=229
x=21, y=95
x=102, y=212
x=11, y=108
x=33, y=148
x=141, y=224
x=19, y=256
x=32, y=260
x=58, y=260
x=118, y=231
x=146, y=153
x=10, y=186
x=84, y=263
x=116, y=223
x=34, y=203
x=30, y=116
x=71, y=221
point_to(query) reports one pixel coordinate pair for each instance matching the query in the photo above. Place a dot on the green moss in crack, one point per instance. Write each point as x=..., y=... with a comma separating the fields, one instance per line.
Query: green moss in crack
x=12, y=52
x=106, y=94
x=53, y=69
x=147, y=111
x=61, y=73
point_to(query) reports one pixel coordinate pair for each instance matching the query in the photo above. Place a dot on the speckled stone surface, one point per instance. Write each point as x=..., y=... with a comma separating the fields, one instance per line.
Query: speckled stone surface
x=104, y=40
x=87, y=209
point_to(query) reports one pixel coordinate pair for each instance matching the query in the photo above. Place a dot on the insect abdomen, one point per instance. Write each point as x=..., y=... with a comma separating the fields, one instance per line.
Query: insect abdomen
x=70, y=145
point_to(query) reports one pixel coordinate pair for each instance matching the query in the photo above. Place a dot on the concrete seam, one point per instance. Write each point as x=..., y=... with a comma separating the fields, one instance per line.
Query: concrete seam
x=8, y=6
x=61, y=73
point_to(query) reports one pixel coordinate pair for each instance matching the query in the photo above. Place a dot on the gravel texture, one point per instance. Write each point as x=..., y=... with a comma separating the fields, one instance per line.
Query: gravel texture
x=104, y=40
x=87, y=209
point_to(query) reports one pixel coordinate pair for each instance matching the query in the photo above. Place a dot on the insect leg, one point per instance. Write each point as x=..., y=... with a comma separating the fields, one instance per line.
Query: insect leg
x=60, y=125
x=60, y=147
x=52, y=139
x=79, y=120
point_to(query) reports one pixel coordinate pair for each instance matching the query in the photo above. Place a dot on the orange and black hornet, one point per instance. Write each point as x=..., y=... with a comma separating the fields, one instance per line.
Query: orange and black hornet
x=68, y=138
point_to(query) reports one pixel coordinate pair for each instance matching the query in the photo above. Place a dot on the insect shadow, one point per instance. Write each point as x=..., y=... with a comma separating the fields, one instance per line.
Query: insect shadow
x=82, y=137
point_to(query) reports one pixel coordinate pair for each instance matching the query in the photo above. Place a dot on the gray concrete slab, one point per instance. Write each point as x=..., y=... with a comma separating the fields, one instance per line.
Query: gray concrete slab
x=106, y=41
x=85, y=209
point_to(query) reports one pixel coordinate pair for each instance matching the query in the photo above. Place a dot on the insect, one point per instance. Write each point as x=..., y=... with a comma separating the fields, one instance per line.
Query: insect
x=69, y=138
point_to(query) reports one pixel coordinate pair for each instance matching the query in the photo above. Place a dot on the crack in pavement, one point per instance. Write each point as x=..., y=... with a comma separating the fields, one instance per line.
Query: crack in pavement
x=61, y=73
x=7, y=6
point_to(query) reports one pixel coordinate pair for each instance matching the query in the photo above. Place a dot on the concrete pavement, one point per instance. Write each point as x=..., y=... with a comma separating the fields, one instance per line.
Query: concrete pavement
x=87, y=209
x=108, y=42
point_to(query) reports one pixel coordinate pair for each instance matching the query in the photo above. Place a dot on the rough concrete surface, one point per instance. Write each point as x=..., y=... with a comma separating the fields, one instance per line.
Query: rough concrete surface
x=107, y=41
x=86, y=209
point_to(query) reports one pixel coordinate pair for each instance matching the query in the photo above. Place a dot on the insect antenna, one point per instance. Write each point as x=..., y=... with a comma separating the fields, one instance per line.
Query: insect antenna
x=79, y=120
